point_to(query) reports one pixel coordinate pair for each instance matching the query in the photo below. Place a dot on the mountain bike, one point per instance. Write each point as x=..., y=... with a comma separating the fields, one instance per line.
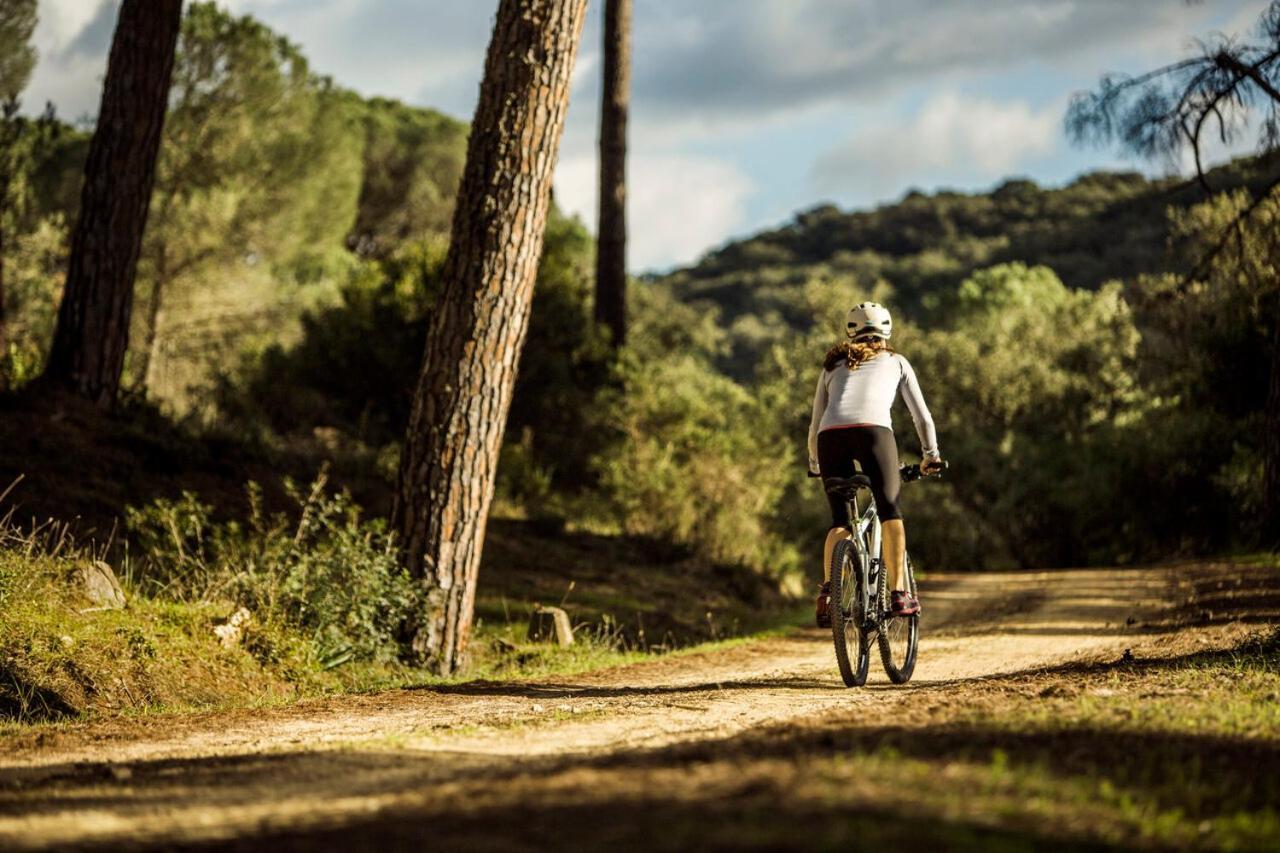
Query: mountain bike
x=859, y=602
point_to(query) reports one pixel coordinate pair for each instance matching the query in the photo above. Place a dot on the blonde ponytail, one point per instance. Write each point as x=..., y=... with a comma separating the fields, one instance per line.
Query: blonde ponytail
x=854, y=353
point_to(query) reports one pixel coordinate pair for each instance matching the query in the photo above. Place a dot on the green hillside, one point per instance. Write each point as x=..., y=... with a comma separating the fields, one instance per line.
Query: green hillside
x=1102, y=226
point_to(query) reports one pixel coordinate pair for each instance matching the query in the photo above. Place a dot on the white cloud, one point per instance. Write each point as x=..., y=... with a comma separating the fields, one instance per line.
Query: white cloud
x=771, y=57
x=72, y=38
x=678, y=205
x=952, y=137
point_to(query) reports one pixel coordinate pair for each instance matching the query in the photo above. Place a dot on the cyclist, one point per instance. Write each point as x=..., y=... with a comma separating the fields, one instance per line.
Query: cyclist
x=860, y=381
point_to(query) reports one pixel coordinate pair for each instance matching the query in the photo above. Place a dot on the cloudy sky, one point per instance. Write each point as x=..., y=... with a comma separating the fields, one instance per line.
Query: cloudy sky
x=744, y=111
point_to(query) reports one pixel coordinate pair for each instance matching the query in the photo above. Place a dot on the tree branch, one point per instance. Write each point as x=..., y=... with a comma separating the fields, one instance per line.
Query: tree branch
x=1228, y=62
x=1235, y=228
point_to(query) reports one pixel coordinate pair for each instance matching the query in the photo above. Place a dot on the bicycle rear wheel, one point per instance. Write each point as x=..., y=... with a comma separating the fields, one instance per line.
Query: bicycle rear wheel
x=853, y=646
x=899, y=635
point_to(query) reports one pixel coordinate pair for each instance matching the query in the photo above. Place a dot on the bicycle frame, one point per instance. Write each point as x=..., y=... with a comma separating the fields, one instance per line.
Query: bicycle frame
x=868, y=522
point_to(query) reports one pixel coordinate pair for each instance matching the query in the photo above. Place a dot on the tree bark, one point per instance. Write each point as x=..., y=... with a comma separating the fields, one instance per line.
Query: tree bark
x=478, y=327
x=92, y=332
x=611, y=240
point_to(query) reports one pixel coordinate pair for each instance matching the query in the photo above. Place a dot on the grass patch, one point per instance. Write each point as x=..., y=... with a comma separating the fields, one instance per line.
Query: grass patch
x=62, y=659
x=1181, y=752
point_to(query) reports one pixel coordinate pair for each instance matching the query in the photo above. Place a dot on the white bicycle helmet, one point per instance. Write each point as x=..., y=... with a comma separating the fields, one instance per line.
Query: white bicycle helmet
x=869, y=320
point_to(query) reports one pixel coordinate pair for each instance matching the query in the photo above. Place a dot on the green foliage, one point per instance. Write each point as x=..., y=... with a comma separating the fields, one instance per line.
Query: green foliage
x=34, y=270
x=690, y=466
x=256, y=187
x=267, y=175
x=17, y=56
x=413, y=162
x=1208, y=347
x=21, y=140
x=327, y=571
x=1087, y=420
x=566, y=362
x=1032, y=384
x=356, y=364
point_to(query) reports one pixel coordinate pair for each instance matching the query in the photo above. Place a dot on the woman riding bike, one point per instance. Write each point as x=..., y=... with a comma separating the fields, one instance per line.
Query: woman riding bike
x=860, y=381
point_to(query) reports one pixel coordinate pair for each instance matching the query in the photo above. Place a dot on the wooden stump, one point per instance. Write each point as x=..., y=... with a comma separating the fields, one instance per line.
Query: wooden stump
x=550, y=625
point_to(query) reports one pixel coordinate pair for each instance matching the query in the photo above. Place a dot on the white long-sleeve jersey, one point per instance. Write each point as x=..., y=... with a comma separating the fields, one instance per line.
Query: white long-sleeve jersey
x=865, y=395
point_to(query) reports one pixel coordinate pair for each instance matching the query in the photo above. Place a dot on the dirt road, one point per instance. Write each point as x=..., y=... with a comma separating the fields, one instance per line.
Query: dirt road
x=576, y=761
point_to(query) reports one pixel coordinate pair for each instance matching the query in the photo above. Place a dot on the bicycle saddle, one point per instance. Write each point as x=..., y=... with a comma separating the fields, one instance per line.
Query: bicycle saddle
x=846, y=486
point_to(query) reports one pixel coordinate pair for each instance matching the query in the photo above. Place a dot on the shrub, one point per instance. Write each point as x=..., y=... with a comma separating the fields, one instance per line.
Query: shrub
x=356, y=365
x=33, y=286
x=692, y=466
x=327, y=572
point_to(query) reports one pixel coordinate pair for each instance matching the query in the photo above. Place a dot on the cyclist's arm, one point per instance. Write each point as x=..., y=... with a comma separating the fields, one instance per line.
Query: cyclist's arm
x=919, y=412
x=819, y=407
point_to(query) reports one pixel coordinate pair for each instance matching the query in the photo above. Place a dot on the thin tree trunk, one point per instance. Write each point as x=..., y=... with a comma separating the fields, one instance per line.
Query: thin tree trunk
x=611, y=240
x=92, y=333
x=479, y=325
x=146, y=354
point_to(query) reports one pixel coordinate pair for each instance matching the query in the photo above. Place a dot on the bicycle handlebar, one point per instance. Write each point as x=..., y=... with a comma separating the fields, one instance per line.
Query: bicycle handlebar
x=910, y=473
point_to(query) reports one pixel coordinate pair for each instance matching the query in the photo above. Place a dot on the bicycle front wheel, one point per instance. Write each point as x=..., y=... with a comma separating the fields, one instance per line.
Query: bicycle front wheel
x=899, y=635
x=853, y=645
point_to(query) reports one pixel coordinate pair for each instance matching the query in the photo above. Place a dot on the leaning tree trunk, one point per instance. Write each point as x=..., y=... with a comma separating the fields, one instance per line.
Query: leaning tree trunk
x=478, y=327
x=92, y=334
x=611, y=239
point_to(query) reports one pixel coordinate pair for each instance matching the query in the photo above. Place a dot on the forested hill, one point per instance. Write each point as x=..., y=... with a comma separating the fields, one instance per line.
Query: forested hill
x=1103, y=226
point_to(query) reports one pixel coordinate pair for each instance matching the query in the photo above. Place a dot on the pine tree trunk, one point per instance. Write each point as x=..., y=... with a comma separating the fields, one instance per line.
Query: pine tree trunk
x=145, y=362
x=478, y=327
x=611, y=240
x=92, y=334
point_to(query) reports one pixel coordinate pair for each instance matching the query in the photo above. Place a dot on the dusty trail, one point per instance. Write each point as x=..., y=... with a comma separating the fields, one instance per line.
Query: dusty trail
x=271, y=778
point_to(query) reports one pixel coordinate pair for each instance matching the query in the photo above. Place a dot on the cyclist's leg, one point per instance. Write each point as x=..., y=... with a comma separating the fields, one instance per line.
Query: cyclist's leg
x=894, y=549
x=835, y=459
x=879, y=460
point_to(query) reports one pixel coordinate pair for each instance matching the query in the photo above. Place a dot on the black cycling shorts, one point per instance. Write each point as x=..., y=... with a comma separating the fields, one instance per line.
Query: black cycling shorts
x=876, y=451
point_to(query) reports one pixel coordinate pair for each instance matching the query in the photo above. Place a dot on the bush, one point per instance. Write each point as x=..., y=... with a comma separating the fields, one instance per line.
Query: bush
x=329, y=573
x=691, y=466
x=1033, y=388
x=33, y=286
x=357, y=363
